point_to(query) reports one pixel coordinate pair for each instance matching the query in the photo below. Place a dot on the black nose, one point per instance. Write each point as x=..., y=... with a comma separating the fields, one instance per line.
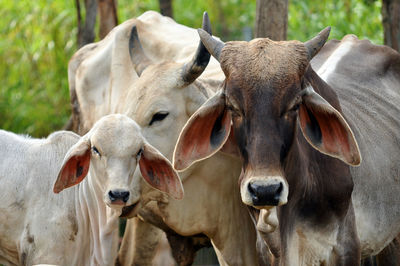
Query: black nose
x=265, y=195
x=115, y=195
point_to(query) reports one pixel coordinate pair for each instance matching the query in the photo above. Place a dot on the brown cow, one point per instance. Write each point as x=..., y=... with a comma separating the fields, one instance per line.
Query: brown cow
x=290, y=128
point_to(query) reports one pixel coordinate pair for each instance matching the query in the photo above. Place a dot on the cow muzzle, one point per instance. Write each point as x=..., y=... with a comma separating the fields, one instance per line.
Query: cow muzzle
x=264, y=192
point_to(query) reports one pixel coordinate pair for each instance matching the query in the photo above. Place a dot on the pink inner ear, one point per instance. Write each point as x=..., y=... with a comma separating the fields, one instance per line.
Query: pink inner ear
x=198, y=141
x=158, y=172
x=73, y=172
x=336, y=137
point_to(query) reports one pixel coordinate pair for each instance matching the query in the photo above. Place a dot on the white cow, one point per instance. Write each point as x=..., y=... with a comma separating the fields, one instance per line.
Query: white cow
x=100, y=75
x=116, y=75
x=79, y=226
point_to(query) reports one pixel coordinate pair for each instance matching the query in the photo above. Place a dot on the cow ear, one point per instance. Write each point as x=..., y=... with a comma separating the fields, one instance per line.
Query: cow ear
x=230, y=146
x=159, y=173
x=326, y=129
x=75, y=166
x=204, y=133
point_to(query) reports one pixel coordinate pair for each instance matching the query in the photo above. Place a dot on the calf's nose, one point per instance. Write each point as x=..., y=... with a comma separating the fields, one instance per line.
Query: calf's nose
x=265, y=195
x=116, y=195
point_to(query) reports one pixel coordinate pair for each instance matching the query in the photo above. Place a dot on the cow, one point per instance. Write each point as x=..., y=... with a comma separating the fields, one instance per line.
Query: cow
x=100, y=74
x=79, y=224
x=130, y=72
x=299, y=133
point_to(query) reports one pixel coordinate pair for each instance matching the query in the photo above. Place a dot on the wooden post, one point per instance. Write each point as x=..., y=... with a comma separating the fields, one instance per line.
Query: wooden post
x=108, y=16
x=271, y=19
x=391, y=23
x=86, y=32
x=166, y=8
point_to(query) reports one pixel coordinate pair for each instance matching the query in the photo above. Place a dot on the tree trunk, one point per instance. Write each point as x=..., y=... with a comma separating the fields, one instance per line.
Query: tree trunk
x=271, y=19
x=166, y=8
x=391, y=23
x=108, y=16
x=86, y=32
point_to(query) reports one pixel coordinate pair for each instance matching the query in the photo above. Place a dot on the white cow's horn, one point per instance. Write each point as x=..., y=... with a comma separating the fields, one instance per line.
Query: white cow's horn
x=214, y=46
x=139, y=59
x=199, y=62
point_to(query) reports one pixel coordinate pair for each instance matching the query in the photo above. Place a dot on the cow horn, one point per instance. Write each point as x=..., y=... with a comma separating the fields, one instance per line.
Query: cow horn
x=315, y=44
x=139, y=59
x=214, y=46
x=199, y=62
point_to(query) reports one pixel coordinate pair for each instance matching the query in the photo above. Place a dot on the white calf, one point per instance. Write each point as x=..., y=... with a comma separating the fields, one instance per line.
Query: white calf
x=80, y=225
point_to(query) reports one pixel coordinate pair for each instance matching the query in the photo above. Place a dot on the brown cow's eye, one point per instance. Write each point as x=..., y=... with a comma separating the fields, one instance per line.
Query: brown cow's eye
x=291, y=111
x=158, y=117
x=233, y=111
x=295, y=107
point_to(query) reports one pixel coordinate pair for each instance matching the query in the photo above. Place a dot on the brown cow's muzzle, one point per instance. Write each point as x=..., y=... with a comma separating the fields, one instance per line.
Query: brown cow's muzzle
x=263, y=192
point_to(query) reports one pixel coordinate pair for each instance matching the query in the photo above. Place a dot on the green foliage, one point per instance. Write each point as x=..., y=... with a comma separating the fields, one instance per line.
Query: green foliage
x=228, y=17
x=38, y=38
x=359, y=17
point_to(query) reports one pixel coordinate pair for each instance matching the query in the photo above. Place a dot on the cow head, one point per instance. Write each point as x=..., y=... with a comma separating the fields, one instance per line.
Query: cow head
x=166, y=94
x=270, y=91
x=113, y=149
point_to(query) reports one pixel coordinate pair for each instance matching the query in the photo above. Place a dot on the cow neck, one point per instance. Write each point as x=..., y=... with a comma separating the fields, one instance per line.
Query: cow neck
x=319, y=186
x=217, y=176
x=98, y=221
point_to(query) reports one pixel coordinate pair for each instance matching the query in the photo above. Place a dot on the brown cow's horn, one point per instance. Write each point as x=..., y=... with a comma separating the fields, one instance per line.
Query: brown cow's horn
x=139, y=59
x=214, y=46
x=199, y=62
x=315, y=44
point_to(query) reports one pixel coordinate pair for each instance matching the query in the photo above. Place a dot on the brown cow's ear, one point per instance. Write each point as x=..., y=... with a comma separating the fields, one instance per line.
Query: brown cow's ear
x=204, y=133
x=159, y=173
x=326, y=129
x=75, y=166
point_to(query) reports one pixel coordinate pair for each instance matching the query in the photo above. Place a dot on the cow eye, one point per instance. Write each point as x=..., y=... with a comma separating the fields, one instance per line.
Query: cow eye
x=295, y=107
x=234, y=111
x=95, y=150
x=158, y=117
x=139, y=153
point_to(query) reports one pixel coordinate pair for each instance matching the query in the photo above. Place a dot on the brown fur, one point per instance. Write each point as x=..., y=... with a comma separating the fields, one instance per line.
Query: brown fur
x=263, y=80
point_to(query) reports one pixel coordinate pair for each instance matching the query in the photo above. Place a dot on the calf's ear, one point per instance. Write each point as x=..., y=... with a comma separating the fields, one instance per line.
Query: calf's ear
x=75, y=166
x=159, y=173
x=204, y=134
x=326, y=129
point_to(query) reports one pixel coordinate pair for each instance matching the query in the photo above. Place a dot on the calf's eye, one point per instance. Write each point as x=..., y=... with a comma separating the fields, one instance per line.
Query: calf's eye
x=139, y=152
x=158, y=117
x=95, y=150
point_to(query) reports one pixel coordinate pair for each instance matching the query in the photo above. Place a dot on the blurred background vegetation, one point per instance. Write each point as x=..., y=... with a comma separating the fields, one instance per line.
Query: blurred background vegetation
x=38, y=38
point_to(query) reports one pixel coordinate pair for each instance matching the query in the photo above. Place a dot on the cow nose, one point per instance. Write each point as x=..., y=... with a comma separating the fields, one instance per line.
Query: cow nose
x=116, y=195
x=265, y=195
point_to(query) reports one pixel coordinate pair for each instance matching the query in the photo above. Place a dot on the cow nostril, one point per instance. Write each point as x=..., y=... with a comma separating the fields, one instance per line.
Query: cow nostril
x=118, y=195
x=111, y=196
x=125, y=196
x=253, y=191
x=280, y=188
